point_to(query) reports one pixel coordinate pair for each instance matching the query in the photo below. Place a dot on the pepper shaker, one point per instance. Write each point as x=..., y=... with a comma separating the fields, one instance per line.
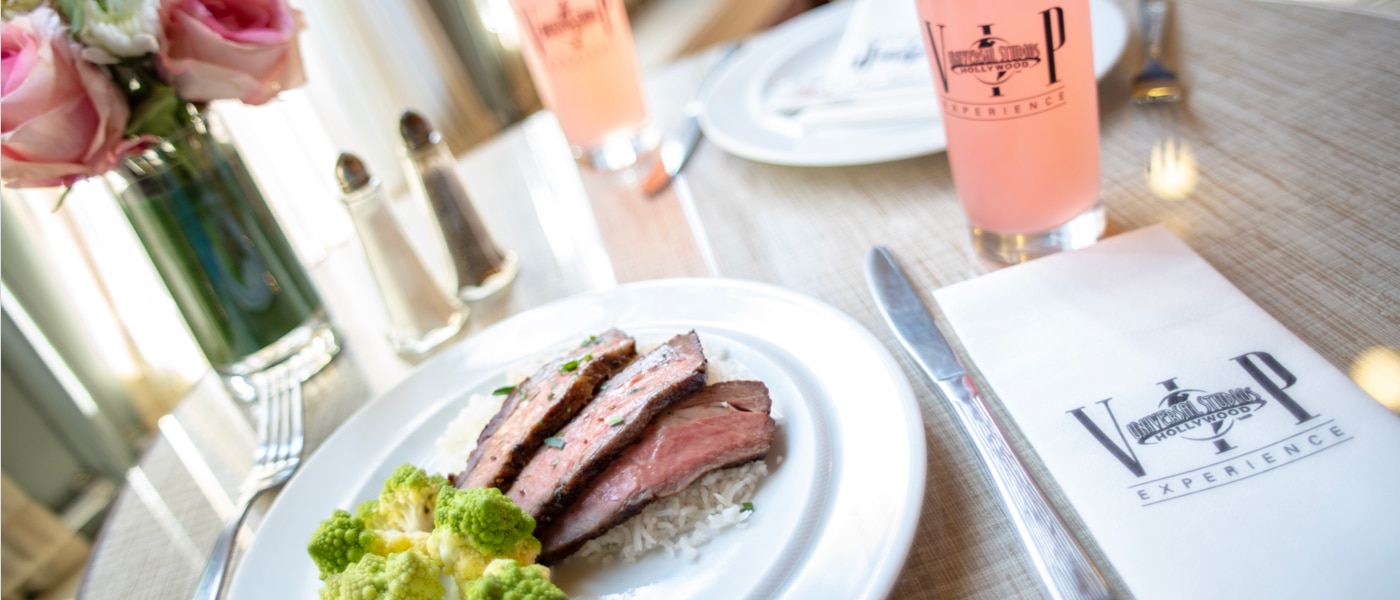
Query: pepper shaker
x=482, y=267
x=421, y=314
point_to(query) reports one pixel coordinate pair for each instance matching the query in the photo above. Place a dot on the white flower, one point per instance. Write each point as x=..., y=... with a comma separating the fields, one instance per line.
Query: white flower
x=14, y=8
x=125, y=28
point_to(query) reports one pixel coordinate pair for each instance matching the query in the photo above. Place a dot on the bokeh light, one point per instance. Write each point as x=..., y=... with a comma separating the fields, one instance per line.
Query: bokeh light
x=1377, y=370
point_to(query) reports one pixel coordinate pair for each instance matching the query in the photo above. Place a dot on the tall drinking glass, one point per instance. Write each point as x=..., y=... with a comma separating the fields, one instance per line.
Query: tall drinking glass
x=1020, y=107
x=581, y=57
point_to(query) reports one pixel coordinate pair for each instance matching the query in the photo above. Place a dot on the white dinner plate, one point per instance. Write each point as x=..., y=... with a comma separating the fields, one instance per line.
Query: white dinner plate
x=834, y=518
x=734, y=114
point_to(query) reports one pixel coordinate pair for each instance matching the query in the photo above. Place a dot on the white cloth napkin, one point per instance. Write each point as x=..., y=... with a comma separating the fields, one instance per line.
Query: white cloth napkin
x=878, y=74
x=1210, y=452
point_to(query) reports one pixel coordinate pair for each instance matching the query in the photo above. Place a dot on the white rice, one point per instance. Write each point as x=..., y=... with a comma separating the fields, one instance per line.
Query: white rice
x=455, y=445
x=683, y=522
x=680, y=523
x=719, y=366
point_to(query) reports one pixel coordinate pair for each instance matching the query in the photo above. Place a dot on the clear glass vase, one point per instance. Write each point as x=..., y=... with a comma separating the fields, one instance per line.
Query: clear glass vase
x=207, y=228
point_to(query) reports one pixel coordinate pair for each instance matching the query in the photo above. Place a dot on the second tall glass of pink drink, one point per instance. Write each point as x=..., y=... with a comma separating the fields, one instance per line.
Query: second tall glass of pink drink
x=1020, y=107
x=581, y=57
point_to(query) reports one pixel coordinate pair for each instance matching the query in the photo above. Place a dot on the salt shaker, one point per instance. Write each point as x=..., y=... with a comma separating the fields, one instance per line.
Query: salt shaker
x=421, y=314
x=482, y=268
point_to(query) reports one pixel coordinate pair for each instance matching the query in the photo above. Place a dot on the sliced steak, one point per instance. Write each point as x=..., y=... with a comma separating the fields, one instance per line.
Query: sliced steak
x=621, y=412
x=539, y=406
x=725, y=425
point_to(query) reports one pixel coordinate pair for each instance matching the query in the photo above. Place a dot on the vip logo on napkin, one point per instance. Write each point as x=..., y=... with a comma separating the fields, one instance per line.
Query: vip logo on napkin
x=1210, y=452
x=1210, y=417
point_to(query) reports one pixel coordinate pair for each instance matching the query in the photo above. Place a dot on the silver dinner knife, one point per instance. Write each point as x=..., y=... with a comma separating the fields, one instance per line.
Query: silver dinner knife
x=1058, y=558
x=676, y=152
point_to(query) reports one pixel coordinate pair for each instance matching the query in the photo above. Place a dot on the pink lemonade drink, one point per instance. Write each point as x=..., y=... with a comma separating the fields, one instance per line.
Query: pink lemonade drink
x=581, y=57
x=1020, y=107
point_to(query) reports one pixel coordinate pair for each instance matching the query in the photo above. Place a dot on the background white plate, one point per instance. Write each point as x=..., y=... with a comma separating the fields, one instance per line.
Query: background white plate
x=834, y=519
x=734, y=117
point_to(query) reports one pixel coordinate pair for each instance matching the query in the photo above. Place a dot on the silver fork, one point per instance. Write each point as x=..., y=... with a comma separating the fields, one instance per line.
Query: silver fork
x=1171, y=165
x=1155, y=83
x=276, y=457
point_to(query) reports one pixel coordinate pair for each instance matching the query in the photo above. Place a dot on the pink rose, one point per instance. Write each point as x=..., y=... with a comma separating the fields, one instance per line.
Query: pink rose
x=222, y=49
x=61, y=117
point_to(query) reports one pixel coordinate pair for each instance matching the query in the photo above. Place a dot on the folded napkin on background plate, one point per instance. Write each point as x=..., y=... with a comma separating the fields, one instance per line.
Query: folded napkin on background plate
x=1210, y=452
x=878, y=74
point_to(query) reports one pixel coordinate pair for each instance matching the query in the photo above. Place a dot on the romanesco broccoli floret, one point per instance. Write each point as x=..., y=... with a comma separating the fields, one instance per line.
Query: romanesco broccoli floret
x=504, y=579
x=339, y=542
x=475, y=526
x=399, y=519
x=406, y=502
x=402, y=576
x=386, y=540
x=343, y=538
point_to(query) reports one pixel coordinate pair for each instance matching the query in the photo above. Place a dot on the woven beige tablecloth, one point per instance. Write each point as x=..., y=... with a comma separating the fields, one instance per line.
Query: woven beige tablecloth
x=1291, y=111
x=1292, y=114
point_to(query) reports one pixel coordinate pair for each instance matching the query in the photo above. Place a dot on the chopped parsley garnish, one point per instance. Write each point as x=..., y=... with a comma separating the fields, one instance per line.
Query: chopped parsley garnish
x=748, y=507
x=554, y=442
x=568, y=367
x=589, y=341
x=615, y=420
x=501, y=391
x=588, y=356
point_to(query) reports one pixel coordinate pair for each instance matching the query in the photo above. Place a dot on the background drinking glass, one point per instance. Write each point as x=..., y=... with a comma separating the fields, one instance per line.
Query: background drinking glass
x=1020, y=107
x=581, y=56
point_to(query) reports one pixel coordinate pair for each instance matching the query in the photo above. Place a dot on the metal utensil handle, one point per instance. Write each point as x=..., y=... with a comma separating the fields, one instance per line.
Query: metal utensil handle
x=211, y=582
x=1154, y=23
x=1057, y=557
x=690, y=138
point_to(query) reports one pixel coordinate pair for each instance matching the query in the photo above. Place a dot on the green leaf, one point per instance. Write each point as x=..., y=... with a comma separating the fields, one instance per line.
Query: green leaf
x=62, y=197
x=554, y=442
x=73, y=11
x=157, y=115
x=616, y=420
x=502, y=391
x=568, y=367
x=748, y=507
